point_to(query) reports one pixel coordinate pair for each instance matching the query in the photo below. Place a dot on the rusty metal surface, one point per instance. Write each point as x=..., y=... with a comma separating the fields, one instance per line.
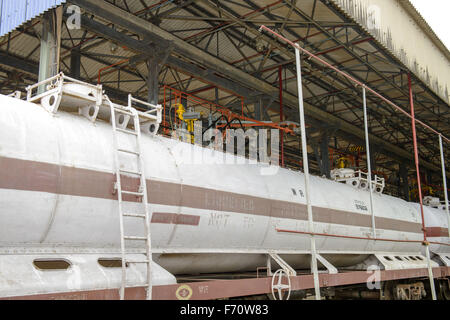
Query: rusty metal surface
x=236, y=288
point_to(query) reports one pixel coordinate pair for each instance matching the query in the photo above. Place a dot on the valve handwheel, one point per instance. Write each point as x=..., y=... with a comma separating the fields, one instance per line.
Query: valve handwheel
x=279, y=286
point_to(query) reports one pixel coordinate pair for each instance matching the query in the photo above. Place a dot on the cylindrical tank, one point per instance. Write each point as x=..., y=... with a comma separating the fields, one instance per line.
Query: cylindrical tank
x=57, y=195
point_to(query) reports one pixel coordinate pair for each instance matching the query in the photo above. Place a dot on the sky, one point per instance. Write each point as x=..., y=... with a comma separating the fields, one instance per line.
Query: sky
x=437, y=14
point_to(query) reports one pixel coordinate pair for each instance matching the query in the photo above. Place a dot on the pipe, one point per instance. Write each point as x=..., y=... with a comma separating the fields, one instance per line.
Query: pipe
x=351, y=79
x=226, y=112
x=416, y=158
x=108, y=67
x=306, y=173
x=444, y=178
x=369, y=169
x=357, y=237
x=347, y=237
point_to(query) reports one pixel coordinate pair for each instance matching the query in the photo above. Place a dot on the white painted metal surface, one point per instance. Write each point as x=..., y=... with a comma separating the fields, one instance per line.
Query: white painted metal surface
x=223, y=241
x=84, y=273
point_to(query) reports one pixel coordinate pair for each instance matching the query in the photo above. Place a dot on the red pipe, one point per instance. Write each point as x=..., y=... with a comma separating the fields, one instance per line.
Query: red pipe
x=108, y=67
x=353, y=79
x=416, y=155
x=226, y=112
x=354, y=237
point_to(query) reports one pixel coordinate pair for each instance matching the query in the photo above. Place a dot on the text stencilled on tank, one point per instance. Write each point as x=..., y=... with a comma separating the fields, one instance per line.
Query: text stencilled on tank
x=218, y=220
x=287, y=211
x=249, y=222
x=360, y=205
x=226, y=202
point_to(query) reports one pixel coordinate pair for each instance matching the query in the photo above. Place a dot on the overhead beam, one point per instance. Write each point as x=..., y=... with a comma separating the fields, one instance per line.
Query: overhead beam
x=31, y=68
x=173, y=62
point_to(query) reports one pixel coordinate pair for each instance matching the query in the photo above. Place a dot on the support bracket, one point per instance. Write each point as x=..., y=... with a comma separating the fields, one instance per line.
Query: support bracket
x=283, y=264
x=331, y=269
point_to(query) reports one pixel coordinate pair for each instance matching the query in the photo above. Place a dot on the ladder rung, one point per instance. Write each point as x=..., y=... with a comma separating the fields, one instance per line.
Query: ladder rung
x=129, y=151
x=135, y=215
x=148, y=116
x=137, y=261
x=127, y=131
x=123, y=111
x=132, y=193
x=135, y=238
x=131, y=172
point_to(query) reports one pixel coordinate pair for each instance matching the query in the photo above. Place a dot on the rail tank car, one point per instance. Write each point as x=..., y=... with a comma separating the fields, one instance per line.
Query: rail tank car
x=58, y=203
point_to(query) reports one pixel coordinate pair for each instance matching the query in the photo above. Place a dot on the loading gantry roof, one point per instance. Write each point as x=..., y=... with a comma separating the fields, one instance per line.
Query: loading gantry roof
x=213, y=49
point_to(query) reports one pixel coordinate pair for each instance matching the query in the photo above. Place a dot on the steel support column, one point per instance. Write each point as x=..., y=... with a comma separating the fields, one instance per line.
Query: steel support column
x=258, y=109
x=444, y=183
x=403, y=183
x=325, y=155
x=152, y=80
x=75, y=64
x=50, y=45
x=320, y=147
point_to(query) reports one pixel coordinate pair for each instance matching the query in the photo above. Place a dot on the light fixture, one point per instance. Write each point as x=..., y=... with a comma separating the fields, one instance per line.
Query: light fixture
x=113, y=47
x=260, y=45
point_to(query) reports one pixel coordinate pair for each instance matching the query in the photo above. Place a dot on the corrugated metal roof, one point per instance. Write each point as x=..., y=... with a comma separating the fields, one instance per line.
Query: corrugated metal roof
x=14, y=13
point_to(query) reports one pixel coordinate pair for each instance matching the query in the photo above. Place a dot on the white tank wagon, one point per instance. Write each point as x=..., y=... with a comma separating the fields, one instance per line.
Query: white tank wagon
x=58, y=204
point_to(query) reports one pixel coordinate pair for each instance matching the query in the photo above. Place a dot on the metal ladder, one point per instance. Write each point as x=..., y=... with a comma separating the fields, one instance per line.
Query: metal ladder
x=140, y=194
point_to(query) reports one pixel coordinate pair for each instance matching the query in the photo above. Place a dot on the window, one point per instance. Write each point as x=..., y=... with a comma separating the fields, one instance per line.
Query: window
x=111, y=262
x=51, y=264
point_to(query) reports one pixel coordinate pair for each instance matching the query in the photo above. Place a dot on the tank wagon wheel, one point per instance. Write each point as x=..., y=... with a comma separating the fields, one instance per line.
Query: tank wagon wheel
x=279, y=286
x=444, y=289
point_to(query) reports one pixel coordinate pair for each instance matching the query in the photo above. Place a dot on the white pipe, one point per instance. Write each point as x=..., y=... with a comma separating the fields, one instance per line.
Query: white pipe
x=306, y=173
x=444, y=179
x=369, y=165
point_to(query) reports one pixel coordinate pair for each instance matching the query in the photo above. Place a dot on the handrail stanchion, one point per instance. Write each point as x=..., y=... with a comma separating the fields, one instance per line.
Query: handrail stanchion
x=444, y=179
x=306, y=174
x=369, y=165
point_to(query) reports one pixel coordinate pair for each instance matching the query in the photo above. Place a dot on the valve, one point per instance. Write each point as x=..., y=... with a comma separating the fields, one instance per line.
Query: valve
x=279, y=286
